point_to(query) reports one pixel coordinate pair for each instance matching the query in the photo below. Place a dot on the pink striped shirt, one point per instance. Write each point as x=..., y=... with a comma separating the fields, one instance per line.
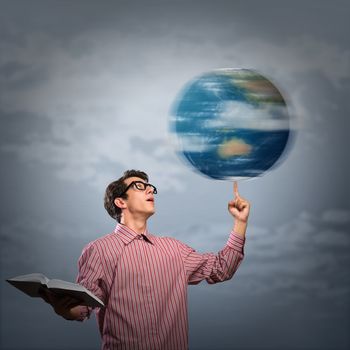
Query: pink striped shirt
x=142, y=279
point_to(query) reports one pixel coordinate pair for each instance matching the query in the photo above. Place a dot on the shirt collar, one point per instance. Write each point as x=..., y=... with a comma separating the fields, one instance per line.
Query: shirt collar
x=127, y=235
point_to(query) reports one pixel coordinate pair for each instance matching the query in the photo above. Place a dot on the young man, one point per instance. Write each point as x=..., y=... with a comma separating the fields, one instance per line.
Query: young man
x=142, y=278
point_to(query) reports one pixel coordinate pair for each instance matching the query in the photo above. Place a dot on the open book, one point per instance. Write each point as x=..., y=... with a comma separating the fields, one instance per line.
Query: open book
x=34, y=284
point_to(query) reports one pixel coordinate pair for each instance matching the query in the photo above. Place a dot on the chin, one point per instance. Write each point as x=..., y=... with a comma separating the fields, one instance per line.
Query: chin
x=151, y=212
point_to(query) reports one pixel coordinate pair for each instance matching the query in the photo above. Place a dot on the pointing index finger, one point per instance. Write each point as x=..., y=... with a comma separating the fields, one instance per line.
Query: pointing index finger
x=235, y=189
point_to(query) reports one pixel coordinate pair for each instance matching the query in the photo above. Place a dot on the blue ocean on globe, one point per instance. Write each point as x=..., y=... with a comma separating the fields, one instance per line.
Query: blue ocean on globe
x=230, y=124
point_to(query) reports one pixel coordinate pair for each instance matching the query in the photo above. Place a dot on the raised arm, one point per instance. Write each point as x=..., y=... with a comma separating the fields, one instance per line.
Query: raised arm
x=212, y=267
x=220, y=267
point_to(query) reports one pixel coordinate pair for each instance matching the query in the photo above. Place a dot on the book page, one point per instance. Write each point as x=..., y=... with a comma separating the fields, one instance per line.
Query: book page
x=32, y=277
x=31, y=284
x=56, y=283
x=34, y=284
x=76, y=291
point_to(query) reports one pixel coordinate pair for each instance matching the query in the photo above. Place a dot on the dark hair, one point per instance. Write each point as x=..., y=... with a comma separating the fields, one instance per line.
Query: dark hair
x=115, y=188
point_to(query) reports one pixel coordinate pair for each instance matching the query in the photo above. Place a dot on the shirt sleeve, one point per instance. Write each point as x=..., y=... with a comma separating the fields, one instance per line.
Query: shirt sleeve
x=91, y=273
x=213, y=268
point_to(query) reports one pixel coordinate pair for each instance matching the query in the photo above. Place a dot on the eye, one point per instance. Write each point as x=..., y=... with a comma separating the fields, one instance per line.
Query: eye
x=140, y=185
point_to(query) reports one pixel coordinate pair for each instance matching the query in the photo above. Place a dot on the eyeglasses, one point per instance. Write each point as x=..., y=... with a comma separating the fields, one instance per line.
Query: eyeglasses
x=141, y=186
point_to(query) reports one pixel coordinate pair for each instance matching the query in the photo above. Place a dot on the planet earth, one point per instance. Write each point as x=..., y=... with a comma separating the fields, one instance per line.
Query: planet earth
x=230, y=124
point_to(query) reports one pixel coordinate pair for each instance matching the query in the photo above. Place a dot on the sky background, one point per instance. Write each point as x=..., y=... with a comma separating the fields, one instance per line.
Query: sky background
x=85, y=93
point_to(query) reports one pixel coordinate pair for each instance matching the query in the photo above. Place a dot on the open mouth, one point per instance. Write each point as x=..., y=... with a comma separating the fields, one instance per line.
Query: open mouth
x=150, y=200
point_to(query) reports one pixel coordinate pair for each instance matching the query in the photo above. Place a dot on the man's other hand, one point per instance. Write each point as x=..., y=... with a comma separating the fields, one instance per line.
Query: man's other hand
x=65, y=306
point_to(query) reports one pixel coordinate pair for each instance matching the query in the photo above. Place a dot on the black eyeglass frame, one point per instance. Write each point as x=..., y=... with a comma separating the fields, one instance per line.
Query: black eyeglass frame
x=144, y=184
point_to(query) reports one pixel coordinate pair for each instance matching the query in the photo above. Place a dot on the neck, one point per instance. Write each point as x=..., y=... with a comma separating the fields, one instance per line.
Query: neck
x=138, y=225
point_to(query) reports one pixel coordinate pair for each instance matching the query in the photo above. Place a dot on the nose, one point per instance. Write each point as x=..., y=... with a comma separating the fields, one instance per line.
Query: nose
x=149, y=189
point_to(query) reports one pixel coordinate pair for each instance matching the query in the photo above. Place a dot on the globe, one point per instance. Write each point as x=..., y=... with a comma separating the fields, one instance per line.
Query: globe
x=230, y=124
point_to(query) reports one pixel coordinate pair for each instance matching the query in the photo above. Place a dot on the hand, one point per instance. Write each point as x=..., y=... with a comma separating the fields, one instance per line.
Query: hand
x=65, y=306
x=239, y=207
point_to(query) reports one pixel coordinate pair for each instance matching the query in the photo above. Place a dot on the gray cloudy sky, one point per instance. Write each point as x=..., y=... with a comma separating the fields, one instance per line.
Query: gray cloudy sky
x=85, y=93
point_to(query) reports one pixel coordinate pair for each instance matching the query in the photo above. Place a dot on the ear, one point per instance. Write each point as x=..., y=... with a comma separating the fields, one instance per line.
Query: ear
x=120, y=203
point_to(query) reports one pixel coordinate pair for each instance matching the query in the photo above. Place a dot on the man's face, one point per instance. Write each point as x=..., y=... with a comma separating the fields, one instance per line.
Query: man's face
x=139, y=202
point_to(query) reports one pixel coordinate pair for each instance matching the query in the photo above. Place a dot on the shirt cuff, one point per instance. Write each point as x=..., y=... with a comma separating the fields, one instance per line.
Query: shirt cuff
x=236, y=242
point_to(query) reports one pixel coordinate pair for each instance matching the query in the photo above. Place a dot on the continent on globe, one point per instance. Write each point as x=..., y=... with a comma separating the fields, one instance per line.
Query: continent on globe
x=230, y=124
x=234, y=147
